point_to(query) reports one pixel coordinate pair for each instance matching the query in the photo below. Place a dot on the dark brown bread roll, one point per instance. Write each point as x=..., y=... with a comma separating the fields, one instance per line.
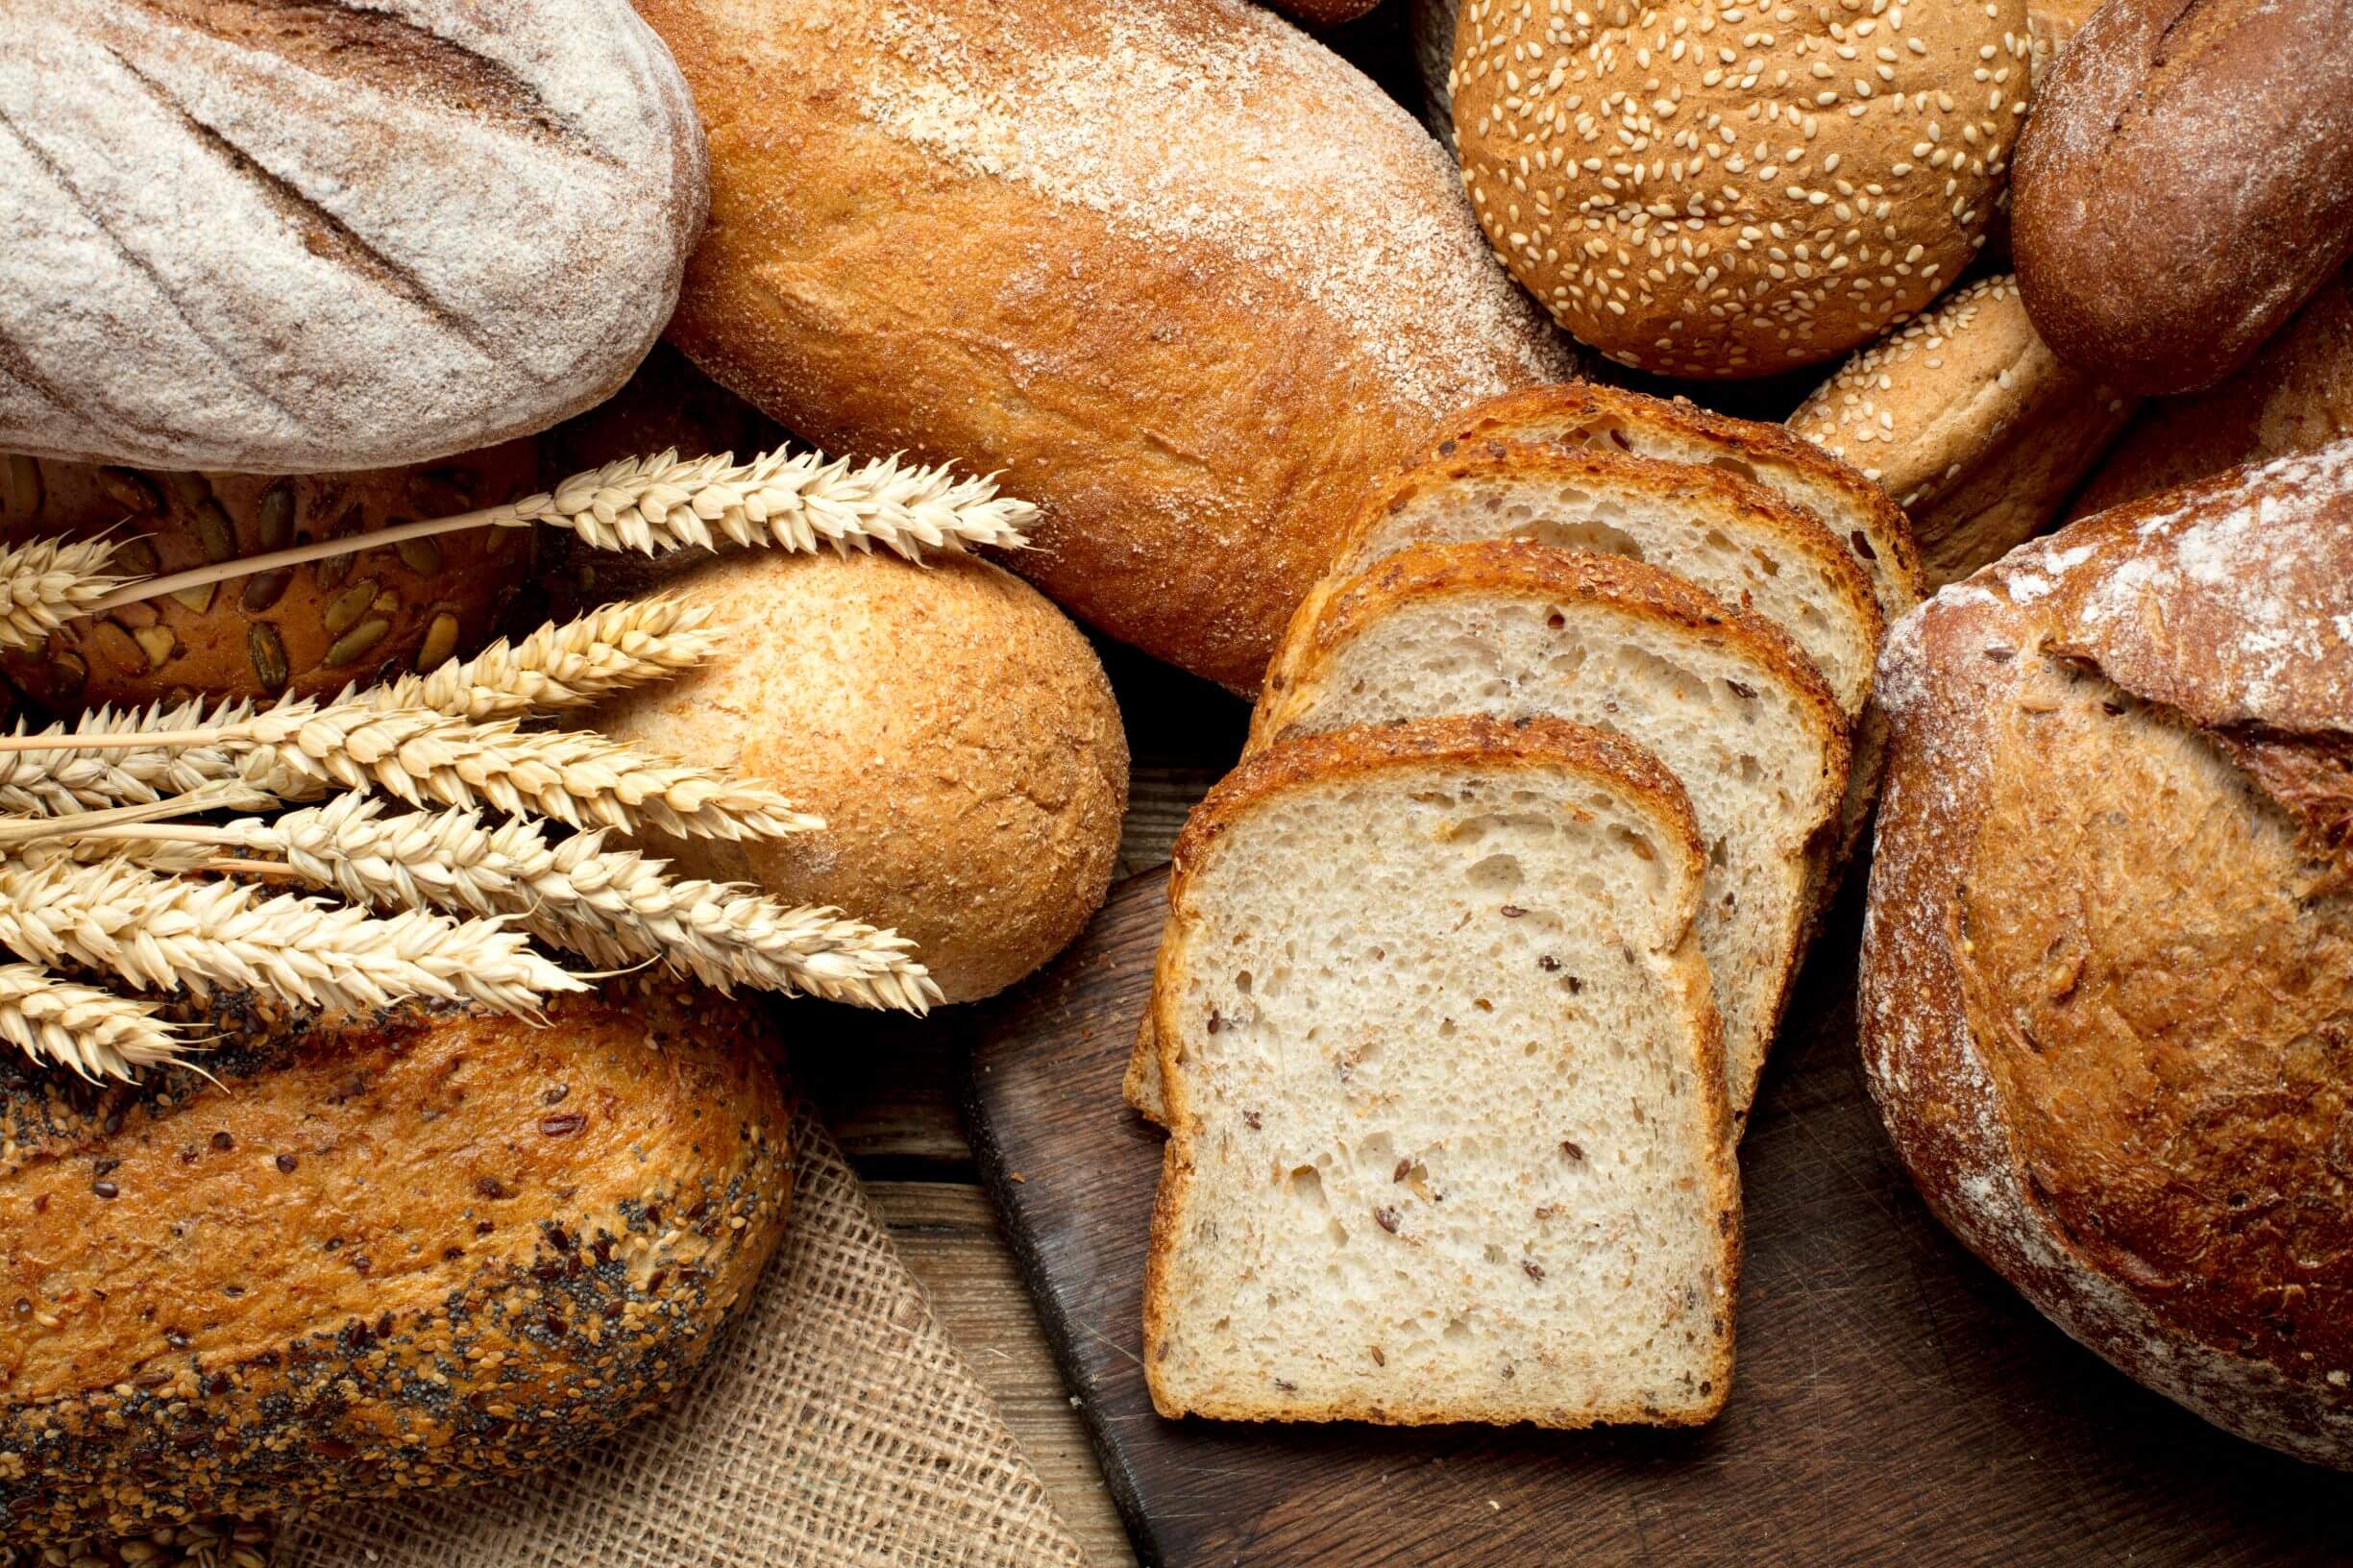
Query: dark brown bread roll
x=307, y=631
x=375, y=1255
x=2107, y=982
x=2184, y=183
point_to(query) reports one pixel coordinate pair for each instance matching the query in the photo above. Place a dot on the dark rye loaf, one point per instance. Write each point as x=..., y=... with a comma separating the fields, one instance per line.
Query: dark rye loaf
x=2107, y=981
x=416, y=1251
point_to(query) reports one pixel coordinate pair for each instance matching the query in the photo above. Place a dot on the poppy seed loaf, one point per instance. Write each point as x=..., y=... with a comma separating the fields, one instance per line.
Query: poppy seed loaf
x=1708, y=189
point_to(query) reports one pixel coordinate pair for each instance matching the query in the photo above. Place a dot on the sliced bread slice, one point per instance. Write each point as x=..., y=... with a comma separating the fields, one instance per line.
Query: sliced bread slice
x=1448, y=1130
x=1729, y=703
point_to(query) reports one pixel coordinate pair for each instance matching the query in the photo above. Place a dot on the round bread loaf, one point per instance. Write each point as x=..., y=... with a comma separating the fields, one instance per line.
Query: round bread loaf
x=306, y=630
x=954, y=730
x=2184, y=183
x=303, y=237
x=1976, y=428
x=2108, y=962
x=1699, y=187
x=360, y=1258
x=1176, y=269
x=2294, y=396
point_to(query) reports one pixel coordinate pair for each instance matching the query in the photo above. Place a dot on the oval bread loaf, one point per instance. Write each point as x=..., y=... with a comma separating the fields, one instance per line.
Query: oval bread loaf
x=2109, y=954
x=304, y=631
x=1970, y=422
x=2184, y=183
x=299, y=237
x=954, y=730
x=1177, y=270
x=1699, y=191
x=373, y=1256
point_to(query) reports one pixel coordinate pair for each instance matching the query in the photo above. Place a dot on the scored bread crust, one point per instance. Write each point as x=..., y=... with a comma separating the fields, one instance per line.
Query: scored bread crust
x=1795, y=470
x=1487, y=746
x=2215, y=615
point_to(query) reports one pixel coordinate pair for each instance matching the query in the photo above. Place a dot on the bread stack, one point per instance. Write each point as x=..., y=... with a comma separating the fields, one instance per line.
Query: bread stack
x=1472, y=966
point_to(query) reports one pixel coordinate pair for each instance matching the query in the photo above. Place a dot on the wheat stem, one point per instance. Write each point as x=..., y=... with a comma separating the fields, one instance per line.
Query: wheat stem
x=95, y=1033
x=46, y=582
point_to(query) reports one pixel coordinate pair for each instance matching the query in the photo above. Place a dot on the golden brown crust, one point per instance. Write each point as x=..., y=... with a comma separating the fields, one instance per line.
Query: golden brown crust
x=1186, y=324
x=307, y=631
x=2186, y=182
x=2108, y=939
x=410, y=1251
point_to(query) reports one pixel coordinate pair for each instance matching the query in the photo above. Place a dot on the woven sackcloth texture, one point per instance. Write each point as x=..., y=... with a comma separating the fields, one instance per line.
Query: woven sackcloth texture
x=836, y=1427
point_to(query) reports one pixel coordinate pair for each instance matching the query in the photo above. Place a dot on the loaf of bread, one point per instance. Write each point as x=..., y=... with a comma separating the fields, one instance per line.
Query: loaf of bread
x=296, y=238
x=1179, y=272
x=350, y=1259
x=2105, y=967
x=2297, y=395
x=302, y=631
x=1448, y=1137
x=2184, y=183
x=954, y=730
x=1699, y=189
x=1970, y=422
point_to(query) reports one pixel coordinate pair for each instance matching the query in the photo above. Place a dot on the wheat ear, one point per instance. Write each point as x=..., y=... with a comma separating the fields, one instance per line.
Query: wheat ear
x=172, y=932
x=559, y=668
x=59, y=772
x=96, y=1033
x=785, y=500
x=48, y=582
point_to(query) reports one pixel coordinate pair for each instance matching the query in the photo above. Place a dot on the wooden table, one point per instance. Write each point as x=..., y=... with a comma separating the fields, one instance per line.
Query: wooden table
x=890, y=1094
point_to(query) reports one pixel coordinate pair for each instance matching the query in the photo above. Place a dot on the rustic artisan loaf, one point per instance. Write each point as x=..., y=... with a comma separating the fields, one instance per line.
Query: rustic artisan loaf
x=1180, y=273
x=2109, y=954
x=2297, y=395
x=1449, y=1138
x=2184, y=183
x=356, y=1257
x=1975, y=428
x=1702, y=188
x=954, y=730
x=304, y=631
x=300, y=237
x=1730, y=706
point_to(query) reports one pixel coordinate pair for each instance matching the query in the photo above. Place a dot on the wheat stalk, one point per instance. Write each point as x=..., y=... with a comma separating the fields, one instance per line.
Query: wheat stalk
x=560, y=668
x=781, y=499
x=173, y=932
x=614, y=907
x=50, y=582
x=59, y=772
x=95, y=1033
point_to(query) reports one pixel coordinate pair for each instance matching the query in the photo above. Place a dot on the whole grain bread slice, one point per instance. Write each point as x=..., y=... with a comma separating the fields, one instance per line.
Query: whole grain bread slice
x=1725, y=700
x=1449, y=1140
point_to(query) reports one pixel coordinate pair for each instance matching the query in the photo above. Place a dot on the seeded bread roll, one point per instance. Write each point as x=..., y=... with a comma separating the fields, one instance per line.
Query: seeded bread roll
x=2186, y=183
x=2105, y=967
x=1698, y=189
x=954, y=730
x=306, y=630
x=2296, y=395
x=1976, y=429
x=359, y=1258
x=1179, y=272
x=331, y=235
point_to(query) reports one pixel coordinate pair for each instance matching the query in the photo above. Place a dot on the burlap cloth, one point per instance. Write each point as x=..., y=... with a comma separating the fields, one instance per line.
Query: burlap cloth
x=836, y=1427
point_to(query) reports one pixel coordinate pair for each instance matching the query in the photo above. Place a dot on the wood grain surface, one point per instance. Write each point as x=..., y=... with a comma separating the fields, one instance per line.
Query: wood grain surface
x=1894, y=1400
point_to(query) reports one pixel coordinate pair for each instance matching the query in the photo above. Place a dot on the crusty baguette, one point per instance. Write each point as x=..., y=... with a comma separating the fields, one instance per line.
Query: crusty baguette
x=1449, y=1133
x=1725, y=700
x=292, y=238
x=1174, y=268
x=2106, y=957
x=354, y=1259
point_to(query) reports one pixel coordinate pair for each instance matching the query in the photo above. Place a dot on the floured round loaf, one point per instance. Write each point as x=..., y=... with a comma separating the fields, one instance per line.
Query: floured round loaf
x=1183, y=276
x=2108, y=962
x=1704, y=188
x=283, y=238
x=954, y=730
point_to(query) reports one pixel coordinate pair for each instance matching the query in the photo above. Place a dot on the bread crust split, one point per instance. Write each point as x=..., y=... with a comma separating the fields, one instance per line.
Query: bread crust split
x=1447, y=748
x=2109, y=936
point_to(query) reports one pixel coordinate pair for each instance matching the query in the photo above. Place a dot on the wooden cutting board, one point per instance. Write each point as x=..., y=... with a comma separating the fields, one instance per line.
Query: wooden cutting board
x=1894, y=1402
